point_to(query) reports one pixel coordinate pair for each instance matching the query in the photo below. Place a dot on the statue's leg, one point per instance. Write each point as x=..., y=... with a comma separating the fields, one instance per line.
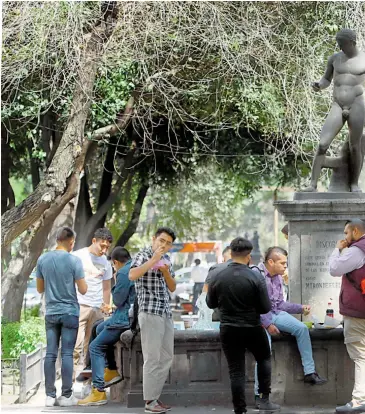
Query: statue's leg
x=332, y=126
x=356, y=127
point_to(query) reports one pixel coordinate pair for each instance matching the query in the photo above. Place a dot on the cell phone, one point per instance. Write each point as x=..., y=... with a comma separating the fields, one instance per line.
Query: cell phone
x=161, y=263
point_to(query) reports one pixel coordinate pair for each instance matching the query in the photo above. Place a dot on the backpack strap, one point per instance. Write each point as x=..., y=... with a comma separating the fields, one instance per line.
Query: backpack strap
x=260, y=270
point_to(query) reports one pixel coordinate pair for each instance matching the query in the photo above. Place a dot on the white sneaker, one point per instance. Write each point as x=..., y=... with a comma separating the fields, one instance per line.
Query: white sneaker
x=50, y=401
x=67, y=402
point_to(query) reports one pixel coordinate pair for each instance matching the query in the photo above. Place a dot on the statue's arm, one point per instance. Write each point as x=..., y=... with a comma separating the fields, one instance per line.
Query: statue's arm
x=326, y=80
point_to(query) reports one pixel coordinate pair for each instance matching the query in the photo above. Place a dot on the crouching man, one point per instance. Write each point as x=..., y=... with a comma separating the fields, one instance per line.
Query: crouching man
x=109, y=331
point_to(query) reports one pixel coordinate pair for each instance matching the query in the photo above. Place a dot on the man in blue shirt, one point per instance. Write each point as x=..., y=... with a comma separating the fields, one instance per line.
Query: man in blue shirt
x=57, y=273
x=109, y=331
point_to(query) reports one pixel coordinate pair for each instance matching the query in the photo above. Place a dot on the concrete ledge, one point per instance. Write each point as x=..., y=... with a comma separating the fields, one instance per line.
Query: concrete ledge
x=199, y=374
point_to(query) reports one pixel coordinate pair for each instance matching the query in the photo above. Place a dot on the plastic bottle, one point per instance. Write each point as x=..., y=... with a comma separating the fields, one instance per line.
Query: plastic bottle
x=330, y=312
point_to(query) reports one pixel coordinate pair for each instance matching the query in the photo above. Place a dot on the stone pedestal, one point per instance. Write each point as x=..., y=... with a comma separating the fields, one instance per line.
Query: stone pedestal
x=316, y=223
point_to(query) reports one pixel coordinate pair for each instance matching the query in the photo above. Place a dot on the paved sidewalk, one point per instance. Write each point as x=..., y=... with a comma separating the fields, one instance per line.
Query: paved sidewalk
x=118, y=408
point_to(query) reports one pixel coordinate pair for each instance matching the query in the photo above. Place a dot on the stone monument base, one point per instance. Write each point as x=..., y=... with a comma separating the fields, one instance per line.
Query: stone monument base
x=199, y=373
x=316, y=223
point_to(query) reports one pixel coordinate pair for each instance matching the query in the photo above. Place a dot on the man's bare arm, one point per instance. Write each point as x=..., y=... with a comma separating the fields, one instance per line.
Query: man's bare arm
x=326, y=80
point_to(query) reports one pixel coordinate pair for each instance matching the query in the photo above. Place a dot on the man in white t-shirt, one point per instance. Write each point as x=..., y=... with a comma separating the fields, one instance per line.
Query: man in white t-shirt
x=98, y=275
x=198, y=276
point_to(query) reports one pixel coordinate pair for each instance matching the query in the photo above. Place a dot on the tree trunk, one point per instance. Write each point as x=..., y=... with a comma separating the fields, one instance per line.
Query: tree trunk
x=34, y=166
x=14, y=280
x=126, y=170
x=5, y=168
x=83, y=213
x=133, y=222
x=106, y=180
x=70, y=154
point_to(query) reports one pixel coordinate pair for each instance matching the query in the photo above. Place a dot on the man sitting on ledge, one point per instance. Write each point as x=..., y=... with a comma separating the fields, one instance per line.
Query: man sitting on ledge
x=279, y=318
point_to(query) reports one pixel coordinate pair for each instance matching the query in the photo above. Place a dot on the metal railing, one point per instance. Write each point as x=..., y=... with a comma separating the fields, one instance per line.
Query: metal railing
x=10, y=376
x=19, y=376
x=31, y=371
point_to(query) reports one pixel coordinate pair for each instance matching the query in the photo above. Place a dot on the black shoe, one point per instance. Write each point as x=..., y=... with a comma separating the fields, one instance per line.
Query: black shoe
x=84, y=375
x=314, y=379
x=264, y=404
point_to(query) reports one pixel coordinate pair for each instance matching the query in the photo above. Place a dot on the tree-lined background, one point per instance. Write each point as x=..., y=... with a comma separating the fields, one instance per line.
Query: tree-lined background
x=135, y=114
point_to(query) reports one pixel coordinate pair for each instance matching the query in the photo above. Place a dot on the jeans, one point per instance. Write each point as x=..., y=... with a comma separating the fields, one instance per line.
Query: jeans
x=287, y=323
x=197, y=291
x=234, y=341
x=100, y=348
x=58, y=327
x=92, y=337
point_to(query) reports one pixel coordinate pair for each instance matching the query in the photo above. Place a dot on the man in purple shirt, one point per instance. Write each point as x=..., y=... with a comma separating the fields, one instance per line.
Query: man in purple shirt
x=348, y=261
x=280, y=318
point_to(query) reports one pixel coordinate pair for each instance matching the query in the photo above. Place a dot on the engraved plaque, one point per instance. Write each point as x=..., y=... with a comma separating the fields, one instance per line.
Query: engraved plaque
x=318, y=286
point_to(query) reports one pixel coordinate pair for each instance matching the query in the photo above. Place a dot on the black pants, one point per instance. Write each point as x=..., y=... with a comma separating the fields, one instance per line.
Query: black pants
x=235, y=341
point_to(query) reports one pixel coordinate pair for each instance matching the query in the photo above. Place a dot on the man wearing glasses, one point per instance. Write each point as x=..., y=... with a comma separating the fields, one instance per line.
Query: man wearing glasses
x=152, y=273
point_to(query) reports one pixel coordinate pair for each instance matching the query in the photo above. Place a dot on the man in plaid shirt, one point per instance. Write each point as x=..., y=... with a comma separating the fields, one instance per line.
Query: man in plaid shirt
x=153, y=276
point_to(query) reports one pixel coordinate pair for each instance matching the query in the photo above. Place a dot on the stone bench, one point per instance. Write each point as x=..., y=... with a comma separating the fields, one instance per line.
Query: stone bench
x=199, y=374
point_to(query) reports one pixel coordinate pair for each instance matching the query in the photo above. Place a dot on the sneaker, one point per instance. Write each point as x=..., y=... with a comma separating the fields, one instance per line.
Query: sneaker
x=352, y=407
x=154, y=407
x=314, y=379
x=84, y=375
x=95, y=398
x=111, y=377
x=264, y=404
x=67, y=401
x=50, y=401
x=165, y=406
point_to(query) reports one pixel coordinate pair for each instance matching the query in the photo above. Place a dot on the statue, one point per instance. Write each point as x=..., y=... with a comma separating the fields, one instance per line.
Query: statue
x=347, y=68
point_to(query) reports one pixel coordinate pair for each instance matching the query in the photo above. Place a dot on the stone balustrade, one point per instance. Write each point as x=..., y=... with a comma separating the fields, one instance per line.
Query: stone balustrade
x=199, y=374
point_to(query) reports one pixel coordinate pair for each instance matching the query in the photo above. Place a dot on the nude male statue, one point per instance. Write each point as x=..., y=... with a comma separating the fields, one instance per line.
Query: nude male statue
x=347, y=68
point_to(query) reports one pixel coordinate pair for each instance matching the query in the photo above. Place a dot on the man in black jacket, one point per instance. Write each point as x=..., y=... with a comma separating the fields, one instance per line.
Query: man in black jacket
x=241, y=296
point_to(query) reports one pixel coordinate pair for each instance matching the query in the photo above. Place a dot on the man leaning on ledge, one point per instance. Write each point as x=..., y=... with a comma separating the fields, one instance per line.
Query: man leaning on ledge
x=348, y=261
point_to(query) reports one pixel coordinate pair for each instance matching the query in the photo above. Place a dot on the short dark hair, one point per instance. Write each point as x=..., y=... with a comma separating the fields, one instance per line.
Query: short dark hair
x=271, y=251
x=358, y=223
x=121, y=254
x=64, y=234
x=103, y=234
x=166, y=230
x=346, y=34
x=226, y=249
x=197, y=261
x=240, y=247
x=285, y=229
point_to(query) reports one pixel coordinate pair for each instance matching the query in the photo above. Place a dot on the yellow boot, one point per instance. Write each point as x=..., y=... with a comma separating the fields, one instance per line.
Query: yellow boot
x=95, y=398
x=111, y=376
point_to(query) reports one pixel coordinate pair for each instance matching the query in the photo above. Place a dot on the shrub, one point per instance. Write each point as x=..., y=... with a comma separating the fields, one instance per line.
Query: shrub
x=22, y=336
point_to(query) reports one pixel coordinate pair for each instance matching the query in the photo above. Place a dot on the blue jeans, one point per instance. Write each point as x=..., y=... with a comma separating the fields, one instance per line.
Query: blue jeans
x=64, y=327
x=287, y=323
x=101, y=348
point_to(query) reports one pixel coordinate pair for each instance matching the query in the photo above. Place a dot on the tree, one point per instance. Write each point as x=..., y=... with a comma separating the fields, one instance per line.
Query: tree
x=206, y=67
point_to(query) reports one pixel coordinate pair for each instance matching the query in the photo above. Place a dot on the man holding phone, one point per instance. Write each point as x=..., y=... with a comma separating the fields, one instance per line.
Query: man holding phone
x=152, y=273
